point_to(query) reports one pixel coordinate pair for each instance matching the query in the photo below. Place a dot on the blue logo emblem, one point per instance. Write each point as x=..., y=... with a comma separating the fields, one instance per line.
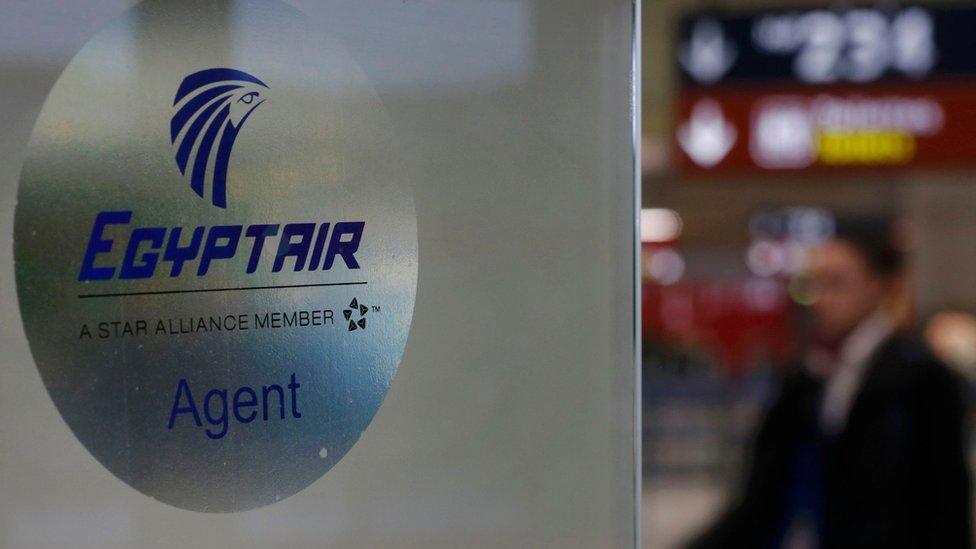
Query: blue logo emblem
x=211, y=106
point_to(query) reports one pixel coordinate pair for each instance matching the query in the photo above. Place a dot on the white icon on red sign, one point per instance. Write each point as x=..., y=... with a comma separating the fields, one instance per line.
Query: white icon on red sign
x=782, y=135
x=707, y=136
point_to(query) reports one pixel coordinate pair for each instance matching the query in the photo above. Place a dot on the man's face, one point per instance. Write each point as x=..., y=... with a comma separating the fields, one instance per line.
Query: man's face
x=845, y=290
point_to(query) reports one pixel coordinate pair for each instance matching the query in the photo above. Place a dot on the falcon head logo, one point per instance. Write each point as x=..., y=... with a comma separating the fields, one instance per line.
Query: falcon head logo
x=210, y=108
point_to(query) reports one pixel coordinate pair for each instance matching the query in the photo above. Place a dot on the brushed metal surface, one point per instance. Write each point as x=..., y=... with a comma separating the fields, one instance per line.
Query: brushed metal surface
x=510, y=420
x=133, y=375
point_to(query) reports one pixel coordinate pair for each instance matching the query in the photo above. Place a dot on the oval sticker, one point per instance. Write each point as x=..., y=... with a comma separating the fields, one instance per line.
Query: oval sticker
x=216, y=251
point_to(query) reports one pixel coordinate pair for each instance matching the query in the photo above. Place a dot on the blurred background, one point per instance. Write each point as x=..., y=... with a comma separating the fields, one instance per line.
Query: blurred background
x=763, y=123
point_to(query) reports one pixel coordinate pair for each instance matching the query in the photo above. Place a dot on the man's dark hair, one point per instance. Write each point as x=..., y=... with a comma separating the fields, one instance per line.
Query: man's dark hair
x=874, y=239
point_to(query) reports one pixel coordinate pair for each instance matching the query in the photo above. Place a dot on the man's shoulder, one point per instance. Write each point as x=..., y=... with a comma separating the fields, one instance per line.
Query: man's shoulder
x=904, y=360
x=907, y=348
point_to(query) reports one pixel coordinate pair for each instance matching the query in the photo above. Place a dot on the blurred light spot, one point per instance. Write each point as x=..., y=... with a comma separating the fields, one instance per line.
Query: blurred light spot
x=811, y=225
x=765, y=258
x=762, y=294
x=796, y=258
x=801, y=292
x=665, y=266
x=952, y=337
x=659, y=225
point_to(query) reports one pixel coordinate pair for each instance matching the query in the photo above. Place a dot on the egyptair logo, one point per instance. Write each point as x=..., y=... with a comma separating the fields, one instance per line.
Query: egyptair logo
x=210, y=108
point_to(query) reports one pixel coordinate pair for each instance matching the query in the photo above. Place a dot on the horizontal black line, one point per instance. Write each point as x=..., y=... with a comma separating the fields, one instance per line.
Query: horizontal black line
x=238, y=289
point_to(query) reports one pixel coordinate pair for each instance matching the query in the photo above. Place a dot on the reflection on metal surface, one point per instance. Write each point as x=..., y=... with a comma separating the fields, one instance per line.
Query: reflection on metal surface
x=200, y=349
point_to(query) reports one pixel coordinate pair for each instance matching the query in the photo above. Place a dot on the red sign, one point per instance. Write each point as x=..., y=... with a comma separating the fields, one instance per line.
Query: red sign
x=748, y=129
x=735, y=322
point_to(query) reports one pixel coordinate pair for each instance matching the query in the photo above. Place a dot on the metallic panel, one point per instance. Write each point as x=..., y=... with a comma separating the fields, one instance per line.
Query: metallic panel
x=510, y=422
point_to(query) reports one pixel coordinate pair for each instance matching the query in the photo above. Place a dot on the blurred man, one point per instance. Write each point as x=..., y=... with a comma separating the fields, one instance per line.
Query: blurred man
x=864, y=446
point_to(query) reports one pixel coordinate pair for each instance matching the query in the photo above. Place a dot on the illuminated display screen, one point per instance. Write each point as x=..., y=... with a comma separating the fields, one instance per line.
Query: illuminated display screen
x=826, y=89
x=820, y=46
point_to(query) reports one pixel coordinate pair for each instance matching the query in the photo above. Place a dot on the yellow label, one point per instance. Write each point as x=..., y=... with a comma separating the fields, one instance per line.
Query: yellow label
x=865, y=147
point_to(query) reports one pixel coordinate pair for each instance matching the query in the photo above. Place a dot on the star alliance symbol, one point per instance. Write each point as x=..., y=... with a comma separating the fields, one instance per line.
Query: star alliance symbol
x=355, y=307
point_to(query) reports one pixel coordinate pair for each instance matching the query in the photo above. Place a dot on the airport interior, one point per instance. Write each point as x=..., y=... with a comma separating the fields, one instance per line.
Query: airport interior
x=763, y=124
x=664, y=273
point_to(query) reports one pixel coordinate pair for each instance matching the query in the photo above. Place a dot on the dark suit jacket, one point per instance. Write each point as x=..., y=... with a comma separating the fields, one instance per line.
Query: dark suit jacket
x=895, y=477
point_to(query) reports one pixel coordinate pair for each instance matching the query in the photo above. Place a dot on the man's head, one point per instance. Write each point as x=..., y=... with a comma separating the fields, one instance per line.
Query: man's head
x=852, y=275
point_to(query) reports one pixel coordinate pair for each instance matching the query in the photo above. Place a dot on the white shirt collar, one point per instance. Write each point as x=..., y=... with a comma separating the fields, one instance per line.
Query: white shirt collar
x=844, y=382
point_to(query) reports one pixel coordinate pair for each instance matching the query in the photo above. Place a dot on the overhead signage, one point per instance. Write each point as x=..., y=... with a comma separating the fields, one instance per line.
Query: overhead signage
x=826, y=129
x=216, y=251
x=827, y=46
